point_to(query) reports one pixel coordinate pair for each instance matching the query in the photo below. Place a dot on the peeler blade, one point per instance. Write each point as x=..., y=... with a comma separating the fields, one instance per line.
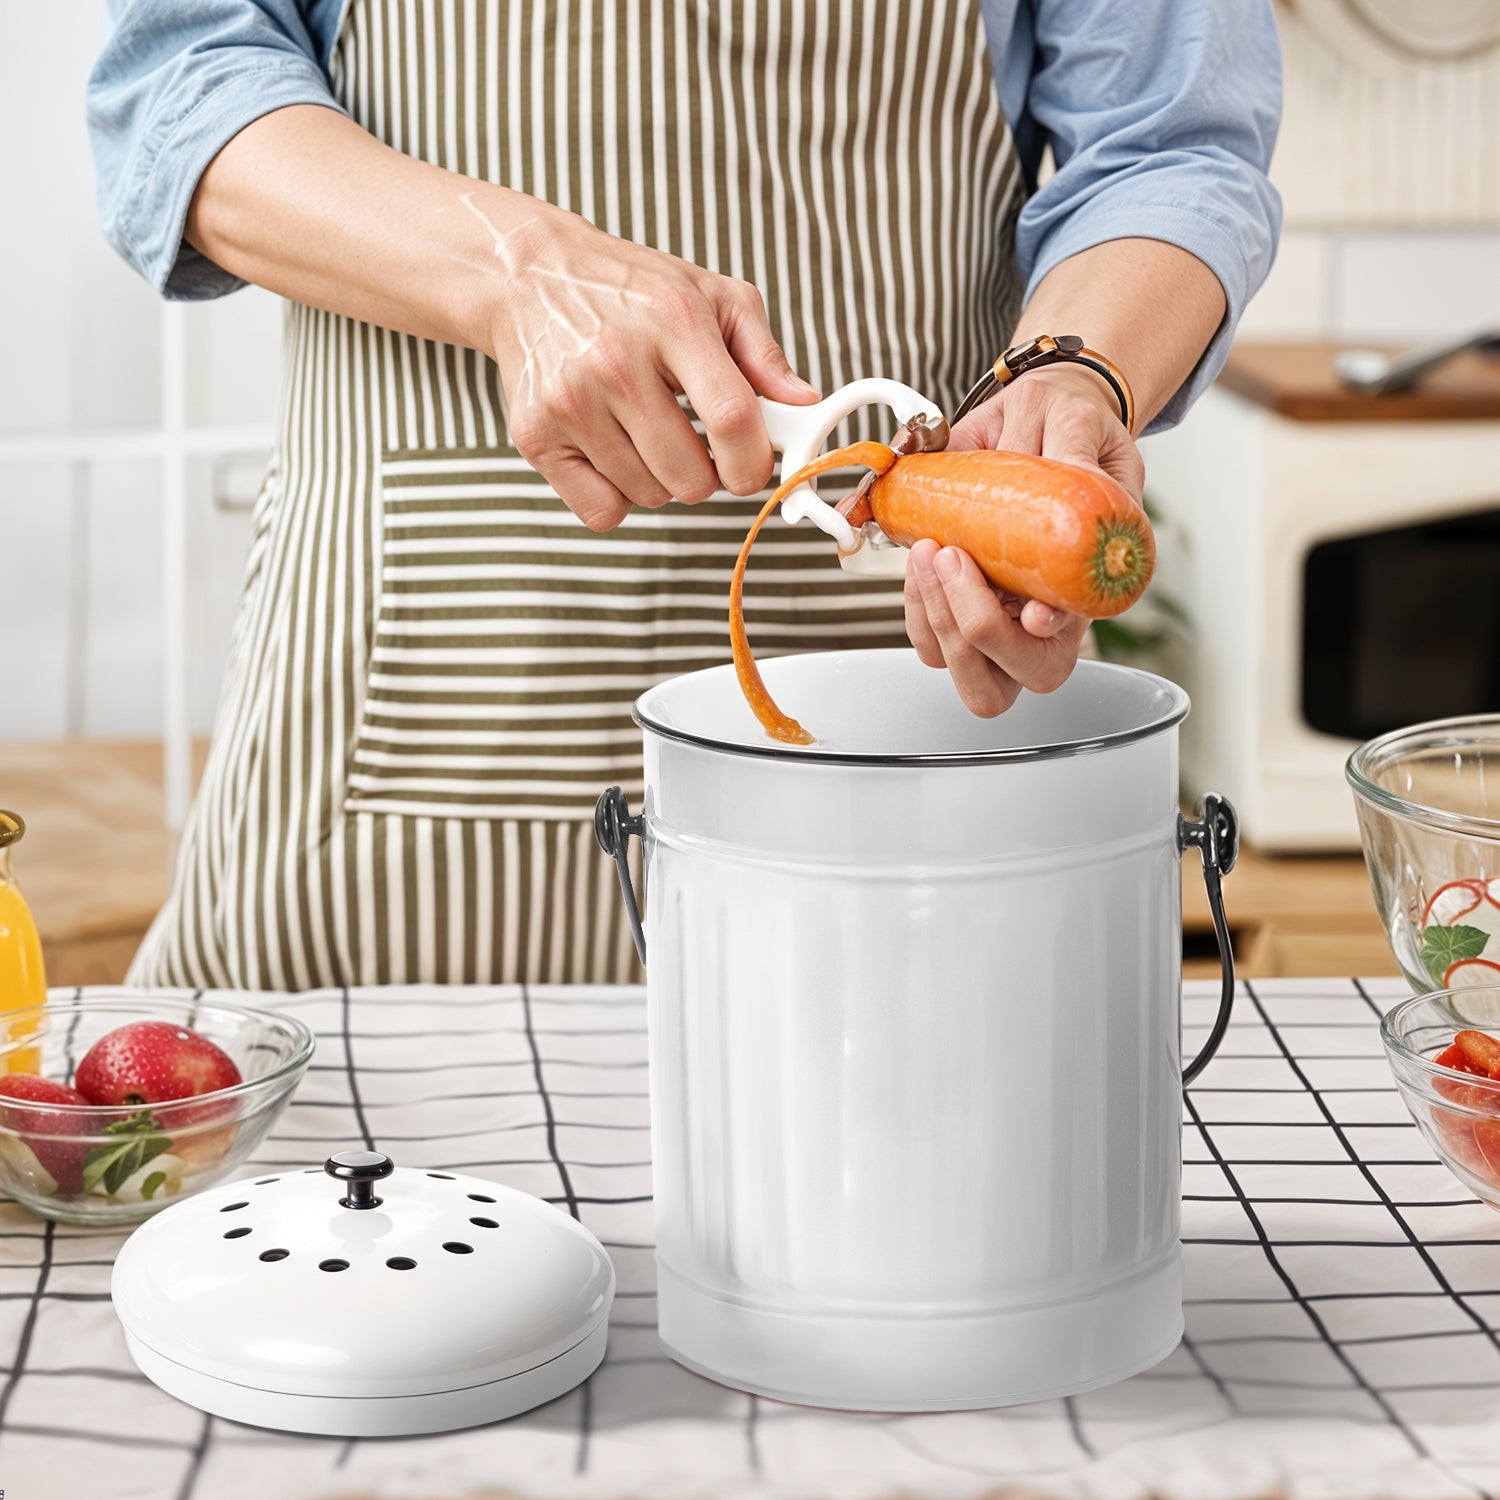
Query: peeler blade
x=875, y=555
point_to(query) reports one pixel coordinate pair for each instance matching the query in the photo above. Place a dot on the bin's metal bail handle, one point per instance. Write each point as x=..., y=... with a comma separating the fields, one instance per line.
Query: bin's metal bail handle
x=1216, y=836
x=614, y=826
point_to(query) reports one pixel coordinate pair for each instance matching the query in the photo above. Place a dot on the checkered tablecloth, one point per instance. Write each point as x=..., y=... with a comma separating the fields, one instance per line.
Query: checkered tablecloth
x=1343, y=1293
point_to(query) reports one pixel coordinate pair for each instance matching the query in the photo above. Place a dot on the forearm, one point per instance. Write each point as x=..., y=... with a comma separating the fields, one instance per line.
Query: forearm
x=307, y=203
x=593, y=337
x=1150, y=307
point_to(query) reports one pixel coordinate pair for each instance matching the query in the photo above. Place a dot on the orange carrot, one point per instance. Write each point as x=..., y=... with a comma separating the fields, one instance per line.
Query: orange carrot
x=1040, y=529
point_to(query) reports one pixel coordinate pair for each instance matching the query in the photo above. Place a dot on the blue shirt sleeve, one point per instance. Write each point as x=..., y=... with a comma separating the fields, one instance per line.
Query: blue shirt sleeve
x=176, y=80
x=1161, y=115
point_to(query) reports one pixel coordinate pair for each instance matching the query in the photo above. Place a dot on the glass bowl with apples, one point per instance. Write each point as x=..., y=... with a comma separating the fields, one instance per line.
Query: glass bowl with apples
x=112, y=1108
x=1428, y=800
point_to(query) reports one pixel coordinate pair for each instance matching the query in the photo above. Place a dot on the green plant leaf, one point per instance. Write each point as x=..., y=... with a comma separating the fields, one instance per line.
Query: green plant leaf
x=1116, y=641
x=151, y=1184
x=1442, y=947
x=1172, y=609
x=137, y=1144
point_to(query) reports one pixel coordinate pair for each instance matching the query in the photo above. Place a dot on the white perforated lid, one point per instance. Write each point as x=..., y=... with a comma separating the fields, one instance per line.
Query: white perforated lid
x=277, y=1284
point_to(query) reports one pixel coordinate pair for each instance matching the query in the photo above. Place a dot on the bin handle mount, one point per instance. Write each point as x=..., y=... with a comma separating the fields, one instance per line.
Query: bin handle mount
x=614, y=827
x=1216, y=837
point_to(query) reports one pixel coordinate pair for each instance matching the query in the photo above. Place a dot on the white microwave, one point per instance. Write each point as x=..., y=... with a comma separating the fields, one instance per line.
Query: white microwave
x=1341, y=577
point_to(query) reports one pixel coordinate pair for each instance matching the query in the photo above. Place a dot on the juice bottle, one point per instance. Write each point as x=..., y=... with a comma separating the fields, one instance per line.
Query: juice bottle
x=23, y=982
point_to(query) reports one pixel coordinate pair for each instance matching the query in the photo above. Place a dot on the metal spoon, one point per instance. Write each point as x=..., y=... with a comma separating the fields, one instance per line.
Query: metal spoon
x=1374, y=373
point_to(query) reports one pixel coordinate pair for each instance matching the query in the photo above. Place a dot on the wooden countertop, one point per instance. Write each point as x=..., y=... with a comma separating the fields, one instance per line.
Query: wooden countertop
x=96, y=855
x=1310, y=914
x=1296, y=380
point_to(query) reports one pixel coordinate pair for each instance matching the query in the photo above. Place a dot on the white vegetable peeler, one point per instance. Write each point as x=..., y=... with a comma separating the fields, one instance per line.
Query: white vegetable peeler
x=798, y=433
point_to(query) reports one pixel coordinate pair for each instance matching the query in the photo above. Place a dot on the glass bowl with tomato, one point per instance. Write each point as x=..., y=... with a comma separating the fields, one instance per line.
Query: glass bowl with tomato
x=1444, y=1050
x=113, y=1107
x=1428, y=800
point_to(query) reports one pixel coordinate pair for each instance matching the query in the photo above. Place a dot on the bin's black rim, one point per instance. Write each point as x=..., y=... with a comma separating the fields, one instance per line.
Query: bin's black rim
x=815, y=757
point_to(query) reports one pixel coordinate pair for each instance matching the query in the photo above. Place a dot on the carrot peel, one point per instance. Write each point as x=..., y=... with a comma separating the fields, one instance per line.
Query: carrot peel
x=778, y=725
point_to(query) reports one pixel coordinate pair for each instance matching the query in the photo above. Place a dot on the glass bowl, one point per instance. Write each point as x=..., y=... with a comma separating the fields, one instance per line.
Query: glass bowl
x=1428, y=800
x=119, y=1164
x=1458, y=1113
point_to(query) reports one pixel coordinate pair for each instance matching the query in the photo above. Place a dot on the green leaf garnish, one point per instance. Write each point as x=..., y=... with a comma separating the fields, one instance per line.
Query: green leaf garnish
x=115, y=1163
x=151, y=1184
x=1442, y=947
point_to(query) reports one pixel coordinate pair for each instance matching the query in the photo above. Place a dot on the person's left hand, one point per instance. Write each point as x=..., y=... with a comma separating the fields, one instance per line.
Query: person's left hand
x=993, y=643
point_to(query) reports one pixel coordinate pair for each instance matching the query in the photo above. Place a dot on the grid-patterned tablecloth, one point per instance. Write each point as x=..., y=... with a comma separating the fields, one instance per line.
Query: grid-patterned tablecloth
x=1343, y=1293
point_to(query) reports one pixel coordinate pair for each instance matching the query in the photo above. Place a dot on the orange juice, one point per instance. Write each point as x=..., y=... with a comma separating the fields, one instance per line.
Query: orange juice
x=23, y=982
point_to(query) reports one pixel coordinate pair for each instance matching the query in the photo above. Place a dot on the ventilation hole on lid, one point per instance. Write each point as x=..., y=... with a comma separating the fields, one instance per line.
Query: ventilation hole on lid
x=481, y=1197
x=401, y=1263
x=485, y=1223
x=442, y=1177
x=262, y=1181
x=333, y=1265
x=229, y=1208
x=457, y=1247
x=235, y=1234
x=274, y=1254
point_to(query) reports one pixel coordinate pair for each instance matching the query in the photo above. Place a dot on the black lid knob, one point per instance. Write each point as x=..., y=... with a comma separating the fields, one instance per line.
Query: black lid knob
x=361, y=1170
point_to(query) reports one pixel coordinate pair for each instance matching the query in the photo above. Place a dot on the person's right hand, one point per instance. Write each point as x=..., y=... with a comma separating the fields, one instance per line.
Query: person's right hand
x=595, y=337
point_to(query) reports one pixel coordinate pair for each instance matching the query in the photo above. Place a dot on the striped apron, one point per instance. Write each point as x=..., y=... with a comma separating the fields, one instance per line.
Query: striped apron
x=434, y=662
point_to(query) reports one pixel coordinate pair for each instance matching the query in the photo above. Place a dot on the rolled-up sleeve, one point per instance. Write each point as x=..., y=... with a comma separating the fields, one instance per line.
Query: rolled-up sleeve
x=1161, y=115
x=174, y=82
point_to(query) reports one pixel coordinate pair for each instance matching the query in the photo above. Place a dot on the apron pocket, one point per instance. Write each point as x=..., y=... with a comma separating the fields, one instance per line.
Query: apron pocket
x=494, y=689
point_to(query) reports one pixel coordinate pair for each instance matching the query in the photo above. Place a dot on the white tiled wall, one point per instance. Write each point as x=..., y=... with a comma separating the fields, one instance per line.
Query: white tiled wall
x=1408, y=284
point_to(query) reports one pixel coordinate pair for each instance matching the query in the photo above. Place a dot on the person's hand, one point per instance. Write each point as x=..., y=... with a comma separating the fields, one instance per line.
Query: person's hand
x=993, y=643
x=595, y=338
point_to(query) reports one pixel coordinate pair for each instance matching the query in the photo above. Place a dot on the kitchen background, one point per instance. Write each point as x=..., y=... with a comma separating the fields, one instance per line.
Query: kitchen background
x=120, y=586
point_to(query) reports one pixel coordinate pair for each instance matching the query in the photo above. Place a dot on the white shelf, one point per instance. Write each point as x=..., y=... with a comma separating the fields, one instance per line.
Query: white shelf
x=106, y=445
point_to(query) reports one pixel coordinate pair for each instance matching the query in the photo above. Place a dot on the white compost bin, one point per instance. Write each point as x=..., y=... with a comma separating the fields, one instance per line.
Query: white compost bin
x=914, y=1015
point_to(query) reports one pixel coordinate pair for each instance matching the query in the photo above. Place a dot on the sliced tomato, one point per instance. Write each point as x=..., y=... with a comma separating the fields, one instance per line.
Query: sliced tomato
x=1453, y=1056
x=1459, y=1142
x=1459, y=1129
x=1452, y=901
x=1472, y=1143
x=1482, y=1052
x=1487, y=1145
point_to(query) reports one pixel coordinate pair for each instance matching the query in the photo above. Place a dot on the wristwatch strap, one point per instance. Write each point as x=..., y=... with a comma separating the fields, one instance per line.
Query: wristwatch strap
x=1044, y=350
